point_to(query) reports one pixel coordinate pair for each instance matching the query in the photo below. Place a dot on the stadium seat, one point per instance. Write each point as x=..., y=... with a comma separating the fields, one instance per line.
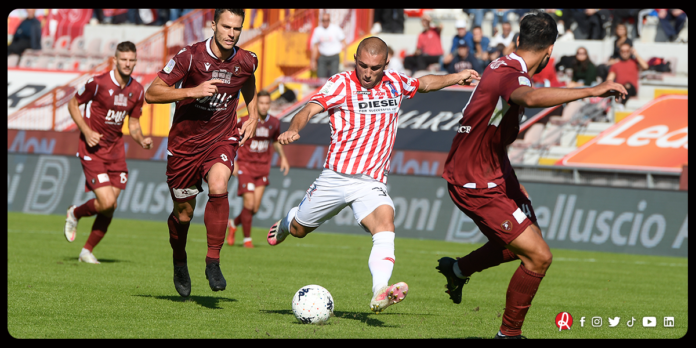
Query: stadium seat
x=62, y=45
x=93, y=48
x=109, y=48
x=12, y=60
x=552, y=132
x=530, y=137
x=47, y=44
x=78, y=46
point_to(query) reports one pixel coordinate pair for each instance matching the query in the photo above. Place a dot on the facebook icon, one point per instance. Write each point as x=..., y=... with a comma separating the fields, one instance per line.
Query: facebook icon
x=582, y=322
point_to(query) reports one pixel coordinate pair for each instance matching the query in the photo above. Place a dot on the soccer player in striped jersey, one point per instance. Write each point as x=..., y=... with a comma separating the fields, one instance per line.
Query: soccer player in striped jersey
x=363, y=106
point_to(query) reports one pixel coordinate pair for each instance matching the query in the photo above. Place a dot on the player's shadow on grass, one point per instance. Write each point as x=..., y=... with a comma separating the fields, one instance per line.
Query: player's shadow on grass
x=211, y=302
x=76, y=259
x=367, y=318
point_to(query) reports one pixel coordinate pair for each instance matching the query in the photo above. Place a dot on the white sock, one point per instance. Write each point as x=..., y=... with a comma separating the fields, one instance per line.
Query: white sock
x=382, y=259
x=285, y=223
x=247, y=239
x=457, y=271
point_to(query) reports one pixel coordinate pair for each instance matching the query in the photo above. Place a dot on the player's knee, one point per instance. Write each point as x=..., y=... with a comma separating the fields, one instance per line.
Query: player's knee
x=107, y=206
x=544, y=259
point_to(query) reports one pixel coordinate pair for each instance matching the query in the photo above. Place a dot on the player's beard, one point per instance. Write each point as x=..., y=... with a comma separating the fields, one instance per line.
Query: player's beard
x=543, y=63
x=124, y=75
x=220, y=44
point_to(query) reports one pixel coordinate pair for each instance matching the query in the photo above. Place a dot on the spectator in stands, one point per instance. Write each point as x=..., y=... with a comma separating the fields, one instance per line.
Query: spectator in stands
x=498, y=14
x=547, y=77
x=480, y=44
x=590, y=23
x=478, y=14
x=627, y=70
x=328, y=41
x=495, y=52
x=504, y=37
x=27, y=35
x=667, y=16
x=462, y=35
x=622, y=15
x=621, y=33
x=175, y=13
x=391, y=20
x=461, y=60
x=502, y=16
x=428, y=47
x=394, y=62
x=564, y=20
x=584, y=71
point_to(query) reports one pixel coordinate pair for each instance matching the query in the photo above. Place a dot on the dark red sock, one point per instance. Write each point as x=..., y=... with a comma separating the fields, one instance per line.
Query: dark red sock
x=523, y=286
x=101, y=224
x=87, y=209
x=238, y=219
x=215, y=218
x=177, y=238
x=245, y=216
x=489, y=255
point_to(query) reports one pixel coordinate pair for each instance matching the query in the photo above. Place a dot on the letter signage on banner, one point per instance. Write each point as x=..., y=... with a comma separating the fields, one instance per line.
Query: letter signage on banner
x=653, y=138
x=624, y=220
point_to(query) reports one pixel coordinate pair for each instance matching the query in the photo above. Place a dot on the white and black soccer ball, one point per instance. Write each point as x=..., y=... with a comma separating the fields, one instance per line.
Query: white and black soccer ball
x=312, y=304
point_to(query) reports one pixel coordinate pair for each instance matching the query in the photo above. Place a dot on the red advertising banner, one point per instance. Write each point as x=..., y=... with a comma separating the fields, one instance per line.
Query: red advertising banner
x=652, y=138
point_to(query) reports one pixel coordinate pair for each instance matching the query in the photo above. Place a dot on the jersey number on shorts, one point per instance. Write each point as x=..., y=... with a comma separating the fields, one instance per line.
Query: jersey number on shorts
x=224, y=157
x=124, y=178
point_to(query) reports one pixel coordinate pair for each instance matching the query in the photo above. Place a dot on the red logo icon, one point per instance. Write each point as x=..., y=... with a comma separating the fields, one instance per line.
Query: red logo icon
x=564, y=321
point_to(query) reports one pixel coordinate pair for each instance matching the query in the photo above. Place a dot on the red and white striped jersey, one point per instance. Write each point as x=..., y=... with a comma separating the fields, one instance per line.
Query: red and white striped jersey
x=363, y=121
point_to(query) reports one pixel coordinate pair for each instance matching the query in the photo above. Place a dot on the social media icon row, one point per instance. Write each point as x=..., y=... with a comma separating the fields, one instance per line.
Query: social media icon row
x=615, y=321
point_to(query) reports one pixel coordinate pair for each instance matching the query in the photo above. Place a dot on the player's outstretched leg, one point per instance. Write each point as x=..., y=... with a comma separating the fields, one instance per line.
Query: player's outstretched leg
x=281, y=229
x=70, y=228
x=388, y=296
x=454, y=283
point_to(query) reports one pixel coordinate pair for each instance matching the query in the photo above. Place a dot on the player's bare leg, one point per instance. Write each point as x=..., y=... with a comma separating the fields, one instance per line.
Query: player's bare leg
x=380, y=223
x=536, y=258
x=178, y=223
x=287, y=226
x=215, y=218
x=103, y=205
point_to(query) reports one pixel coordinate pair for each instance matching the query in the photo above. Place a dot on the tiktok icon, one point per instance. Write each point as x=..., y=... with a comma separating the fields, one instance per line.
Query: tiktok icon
x=631, y=322
x=564, y=321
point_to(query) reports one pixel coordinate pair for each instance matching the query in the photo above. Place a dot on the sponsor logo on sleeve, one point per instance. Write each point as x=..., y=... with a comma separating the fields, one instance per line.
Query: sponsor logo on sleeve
x=167, y=69
x=524, y=81
x=326, y=87
x=81, y=90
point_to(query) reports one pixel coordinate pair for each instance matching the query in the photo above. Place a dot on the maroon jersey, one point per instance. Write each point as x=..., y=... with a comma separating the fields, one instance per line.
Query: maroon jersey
x=490, y=121
x=200, y=122
x=257, y=149
x=107, y=106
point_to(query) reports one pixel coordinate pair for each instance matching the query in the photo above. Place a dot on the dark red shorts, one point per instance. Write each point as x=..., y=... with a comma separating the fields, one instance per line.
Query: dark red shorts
x=250, y=176
x=99, y=174
x=501, y=213
x=185, y=174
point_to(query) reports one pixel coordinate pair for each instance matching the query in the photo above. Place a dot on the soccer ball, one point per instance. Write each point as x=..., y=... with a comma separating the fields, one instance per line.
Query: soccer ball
x=312, y=304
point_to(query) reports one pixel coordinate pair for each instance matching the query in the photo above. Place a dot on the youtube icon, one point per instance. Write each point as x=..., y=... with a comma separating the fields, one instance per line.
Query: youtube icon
x=649, y=321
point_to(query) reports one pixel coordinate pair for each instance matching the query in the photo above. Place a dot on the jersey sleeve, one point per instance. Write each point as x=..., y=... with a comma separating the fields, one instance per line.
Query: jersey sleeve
x=409, y=85
x=510, y=80
x=332, y=95
x=251, y=61
x=137, y=110
x=87, y=91
x=177, y=67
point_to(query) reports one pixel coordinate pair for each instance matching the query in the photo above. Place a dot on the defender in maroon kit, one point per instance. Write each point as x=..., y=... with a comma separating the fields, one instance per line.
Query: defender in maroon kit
x=205, y=80
x=109, y=97
x=481, y=180
x=253, y=166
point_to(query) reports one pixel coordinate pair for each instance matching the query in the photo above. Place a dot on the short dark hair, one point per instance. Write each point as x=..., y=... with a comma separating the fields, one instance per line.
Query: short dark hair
x=125, y=46
x=237, y=11
x=373, y=48
x=263, y=93
x=538, y=31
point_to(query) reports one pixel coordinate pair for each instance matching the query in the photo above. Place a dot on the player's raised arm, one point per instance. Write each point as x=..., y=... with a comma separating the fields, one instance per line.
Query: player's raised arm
x=429, y=83
x=549, y=96
x=298, y=122
x=284, y=166
x=161, y=93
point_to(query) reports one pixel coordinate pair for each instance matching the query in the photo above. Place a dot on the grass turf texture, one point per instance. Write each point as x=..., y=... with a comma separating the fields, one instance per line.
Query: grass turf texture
x=131, y=293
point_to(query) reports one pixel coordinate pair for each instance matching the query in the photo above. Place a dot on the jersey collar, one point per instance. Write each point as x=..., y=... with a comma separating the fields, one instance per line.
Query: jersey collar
x=354, y=76
x=210, y=52
x=519, y=59
x=113, y=78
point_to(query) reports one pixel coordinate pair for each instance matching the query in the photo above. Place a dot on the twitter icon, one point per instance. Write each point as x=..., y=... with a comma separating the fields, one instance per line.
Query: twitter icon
x=614, y=321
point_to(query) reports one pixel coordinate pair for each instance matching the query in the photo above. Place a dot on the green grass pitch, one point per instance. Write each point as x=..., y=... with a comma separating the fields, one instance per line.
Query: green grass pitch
x=131, y=293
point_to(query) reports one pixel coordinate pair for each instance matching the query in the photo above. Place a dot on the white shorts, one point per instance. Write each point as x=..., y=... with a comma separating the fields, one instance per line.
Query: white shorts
x=333, y=191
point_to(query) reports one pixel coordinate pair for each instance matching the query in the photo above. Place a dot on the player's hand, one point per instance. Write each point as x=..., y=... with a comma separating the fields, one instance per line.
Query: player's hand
x=146, y=143
x=92, y=138
x=284, y=166
x=610, y=89
x=206, y=89
x=248, y=130
x=467, y=76
x=288, y=137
